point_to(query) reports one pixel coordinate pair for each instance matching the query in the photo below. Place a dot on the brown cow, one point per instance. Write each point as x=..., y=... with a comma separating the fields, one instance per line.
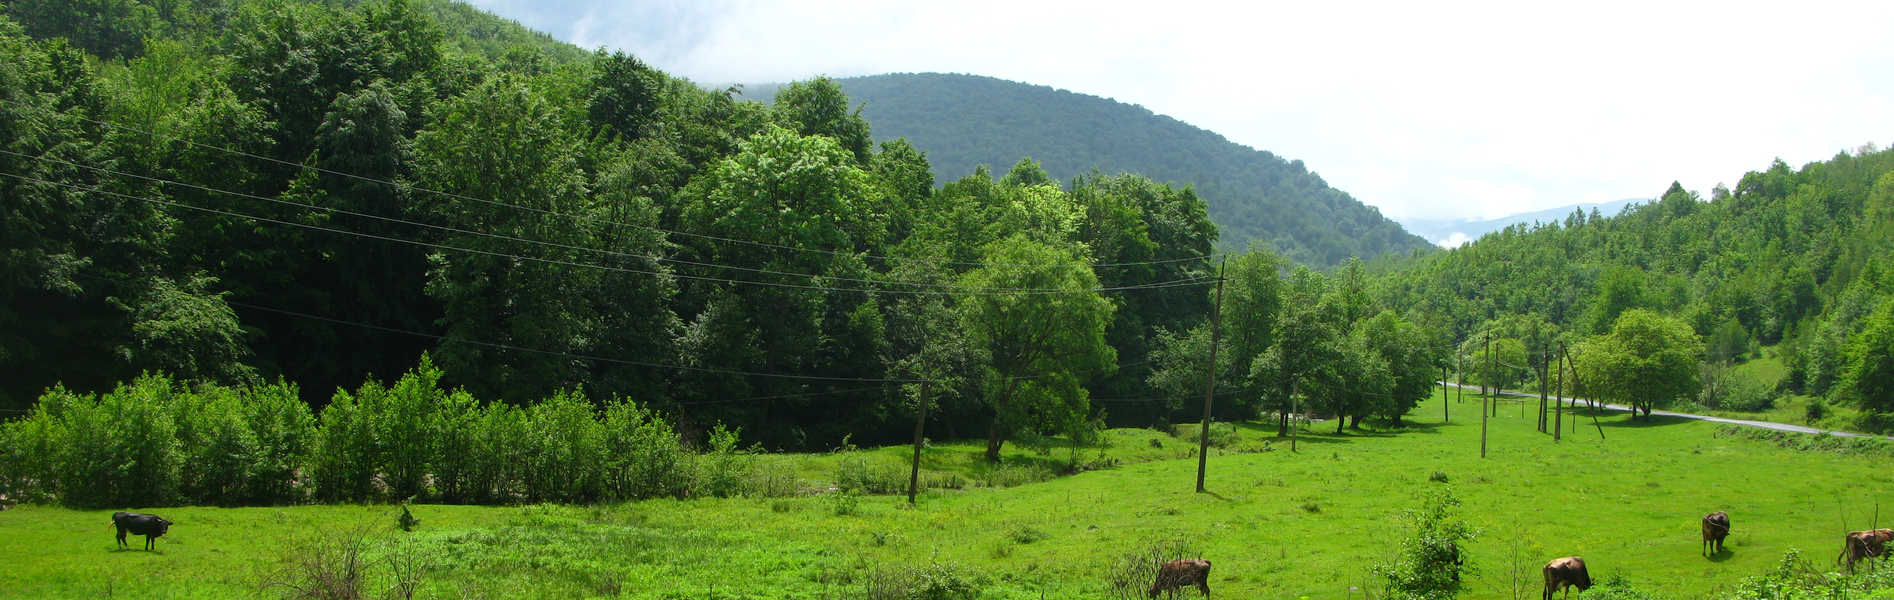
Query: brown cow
x=1716, y=526
x=1181, y=573
x=1864, y=544
x=1565, y=573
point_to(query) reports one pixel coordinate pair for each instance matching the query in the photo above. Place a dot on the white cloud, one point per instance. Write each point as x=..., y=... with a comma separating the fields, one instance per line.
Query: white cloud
x=1443, y=109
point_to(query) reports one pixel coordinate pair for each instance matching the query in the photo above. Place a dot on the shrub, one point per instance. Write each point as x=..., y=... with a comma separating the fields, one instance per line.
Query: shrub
x=1615, y=587
x=932, y=582
x=1426, y=568
x=1137, y=570
x=1220, y=435
x=346, y=456
x=643, y=457
x=564, y=449
x=725, y=470
x=869, y=473
x=1009, y=475
x=284, y=430
x=218, y=445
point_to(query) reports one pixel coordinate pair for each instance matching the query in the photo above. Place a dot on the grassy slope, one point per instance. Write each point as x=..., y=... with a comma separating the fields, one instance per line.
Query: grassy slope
x=1628, y=505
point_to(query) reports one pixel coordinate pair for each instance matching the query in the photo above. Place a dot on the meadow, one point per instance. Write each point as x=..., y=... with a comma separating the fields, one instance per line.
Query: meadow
x=1308, y=524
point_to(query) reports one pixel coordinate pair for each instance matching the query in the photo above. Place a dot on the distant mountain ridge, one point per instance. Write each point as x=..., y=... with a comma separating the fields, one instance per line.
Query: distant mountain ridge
x=1453, y=232
x=963, y=121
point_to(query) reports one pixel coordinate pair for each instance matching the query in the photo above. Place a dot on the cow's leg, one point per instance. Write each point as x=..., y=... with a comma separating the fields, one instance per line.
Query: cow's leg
x=1205, y=587
x=121, y=538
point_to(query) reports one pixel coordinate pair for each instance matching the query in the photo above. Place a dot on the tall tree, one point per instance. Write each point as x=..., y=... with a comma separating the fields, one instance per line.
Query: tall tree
x=1647, y=361
x=1039, y=348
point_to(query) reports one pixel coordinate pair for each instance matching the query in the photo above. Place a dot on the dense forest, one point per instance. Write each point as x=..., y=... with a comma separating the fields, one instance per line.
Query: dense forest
x=244, y=193
x=1793, y=260
x=964, y=121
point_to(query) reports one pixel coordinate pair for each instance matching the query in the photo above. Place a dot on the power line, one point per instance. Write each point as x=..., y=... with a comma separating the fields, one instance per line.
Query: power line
x=569, y=355
x=398, y=185
x=613, y=360
x=997, y=292
x=511, y=238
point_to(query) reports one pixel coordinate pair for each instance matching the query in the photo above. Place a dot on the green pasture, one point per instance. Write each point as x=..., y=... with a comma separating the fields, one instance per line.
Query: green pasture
x=1276, y=524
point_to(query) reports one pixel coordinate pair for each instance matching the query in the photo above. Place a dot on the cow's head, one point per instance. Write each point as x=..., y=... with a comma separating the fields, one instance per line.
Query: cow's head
x=163, y=527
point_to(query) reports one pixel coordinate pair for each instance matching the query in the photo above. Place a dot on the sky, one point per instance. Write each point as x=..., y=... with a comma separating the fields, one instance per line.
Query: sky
x=1440, y=110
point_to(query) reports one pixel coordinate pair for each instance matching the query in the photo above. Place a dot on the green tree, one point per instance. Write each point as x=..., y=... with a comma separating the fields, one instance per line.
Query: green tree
x=504, y=141
x=1648, y=360
x=1306, y=344
x=1413, y=361
x=1868, y=377
x=820, y=107
x=1038, y=348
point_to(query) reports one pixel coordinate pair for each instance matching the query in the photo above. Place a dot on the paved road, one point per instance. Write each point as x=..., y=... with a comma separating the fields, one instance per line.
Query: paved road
x=1759, y=424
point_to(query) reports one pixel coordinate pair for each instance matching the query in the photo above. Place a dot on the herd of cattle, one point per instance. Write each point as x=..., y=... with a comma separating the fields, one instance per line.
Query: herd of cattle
x=1560, y=574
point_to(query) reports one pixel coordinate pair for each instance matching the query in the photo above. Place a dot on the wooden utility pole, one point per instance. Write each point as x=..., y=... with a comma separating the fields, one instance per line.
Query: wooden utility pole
x=1460, y=375
x=1579, y=383
x=1545, y=354
x=920, y=427
x=1558, y=397
x=1295, y=405
x=1484, y=411
x=1446, y=415
x=1210, y=385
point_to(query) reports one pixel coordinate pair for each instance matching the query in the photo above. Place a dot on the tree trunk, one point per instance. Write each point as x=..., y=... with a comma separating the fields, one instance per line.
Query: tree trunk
x=1354, y=422
x=1339, y=421
x=1282, y=423
x=993, y=441
x=1397, y=420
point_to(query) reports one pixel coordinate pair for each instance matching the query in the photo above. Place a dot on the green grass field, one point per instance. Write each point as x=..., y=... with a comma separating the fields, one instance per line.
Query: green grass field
x=1277, y=524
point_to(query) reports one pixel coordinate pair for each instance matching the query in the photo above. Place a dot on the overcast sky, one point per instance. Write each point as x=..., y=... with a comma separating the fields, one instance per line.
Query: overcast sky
x=1424, y=109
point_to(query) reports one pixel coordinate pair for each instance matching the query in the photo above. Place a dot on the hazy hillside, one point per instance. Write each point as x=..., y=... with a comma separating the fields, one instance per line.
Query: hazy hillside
x=964, y=120
x=1443, y=231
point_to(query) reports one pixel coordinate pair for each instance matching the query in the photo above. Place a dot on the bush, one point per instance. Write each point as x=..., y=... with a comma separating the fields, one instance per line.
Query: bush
x=565, y=451
x=1221, y=435
x=870, y=473
x=1796, y=579
x=1137, y=570
x=724, y=470
x=1009, y=475
x=1615, y=587
x=1427, y=568
x=931, y=582
x=152, y=442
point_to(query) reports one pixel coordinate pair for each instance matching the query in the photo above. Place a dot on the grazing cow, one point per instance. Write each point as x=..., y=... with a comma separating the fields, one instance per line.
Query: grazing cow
x=1181, y=573
x=1864, y=544
x=1566, y=573
x=150, y=526
x=1716, y=526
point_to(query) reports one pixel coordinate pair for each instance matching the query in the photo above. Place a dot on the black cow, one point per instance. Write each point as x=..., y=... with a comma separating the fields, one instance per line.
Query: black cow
x=150, y=526
x=1716, y=526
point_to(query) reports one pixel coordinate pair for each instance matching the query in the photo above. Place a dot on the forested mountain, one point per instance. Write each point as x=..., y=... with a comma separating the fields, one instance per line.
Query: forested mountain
x=1799, y=258
x=319, y=193
x=963, y=121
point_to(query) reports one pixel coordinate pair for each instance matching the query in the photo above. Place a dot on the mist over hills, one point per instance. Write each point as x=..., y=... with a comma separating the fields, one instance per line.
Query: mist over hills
x=1453, y=232
x=964, y=121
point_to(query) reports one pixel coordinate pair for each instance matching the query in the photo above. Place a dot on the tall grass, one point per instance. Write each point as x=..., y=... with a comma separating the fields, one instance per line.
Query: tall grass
x=155, y=442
